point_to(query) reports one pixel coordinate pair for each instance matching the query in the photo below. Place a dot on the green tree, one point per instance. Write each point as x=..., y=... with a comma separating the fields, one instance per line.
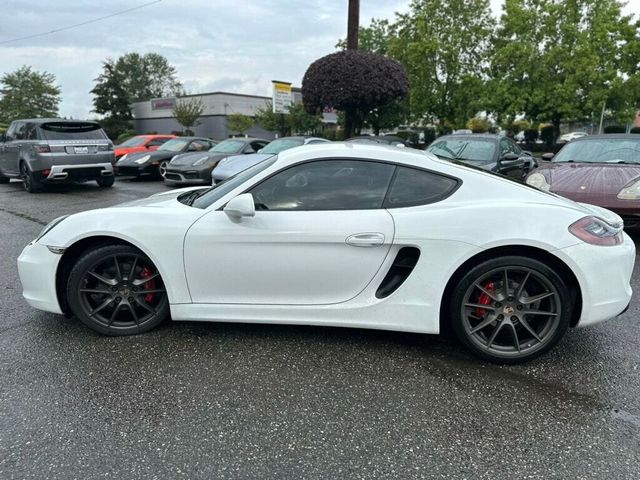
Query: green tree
x=130, y=78
x=560, y=61
x=274, y=122
x=239, y=123
x=187, y=111
x=374, y=38
x=446, y=63
x=26, y=93
x=302, y=122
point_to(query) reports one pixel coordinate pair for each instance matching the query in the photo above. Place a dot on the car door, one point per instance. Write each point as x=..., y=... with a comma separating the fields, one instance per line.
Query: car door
x=11, y=151
x=510, y=164
x=319, y=236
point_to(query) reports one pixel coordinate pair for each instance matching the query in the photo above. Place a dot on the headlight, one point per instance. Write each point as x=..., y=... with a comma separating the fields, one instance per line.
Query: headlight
x=200, y=161
x=538, y=181
x=143, y=159
x=223, y=161
x=596, y=231
x=123, y=157
x=630, y=192
x=50, y=226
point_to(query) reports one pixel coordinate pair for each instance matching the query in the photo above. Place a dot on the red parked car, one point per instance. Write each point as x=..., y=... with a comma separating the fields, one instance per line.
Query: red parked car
x=141, y=143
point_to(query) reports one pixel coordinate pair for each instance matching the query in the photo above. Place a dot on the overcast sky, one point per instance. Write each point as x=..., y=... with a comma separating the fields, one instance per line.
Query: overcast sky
x=230, y=45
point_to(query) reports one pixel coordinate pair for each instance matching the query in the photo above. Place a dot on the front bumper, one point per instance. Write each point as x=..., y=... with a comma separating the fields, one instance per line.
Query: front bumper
x=192, y=175
x=604, y=275
x=137, y=170
x=37, y=268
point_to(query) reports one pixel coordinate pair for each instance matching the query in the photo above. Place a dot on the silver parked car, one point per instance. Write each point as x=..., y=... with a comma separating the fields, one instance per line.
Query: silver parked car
x=40, y=151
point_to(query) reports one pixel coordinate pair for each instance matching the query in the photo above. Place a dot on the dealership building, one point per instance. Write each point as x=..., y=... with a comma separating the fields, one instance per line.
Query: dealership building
x=156, y=115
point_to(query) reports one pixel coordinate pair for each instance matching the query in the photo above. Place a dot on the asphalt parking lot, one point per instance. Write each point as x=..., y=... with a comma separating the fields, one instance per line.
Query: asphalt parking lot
x=194, y=400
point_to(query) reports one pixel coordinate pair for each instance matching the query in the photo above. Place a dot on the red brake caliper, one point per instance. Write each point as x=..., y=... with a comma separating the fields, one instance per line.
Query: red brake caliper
x=148, y=285
x=485, y=299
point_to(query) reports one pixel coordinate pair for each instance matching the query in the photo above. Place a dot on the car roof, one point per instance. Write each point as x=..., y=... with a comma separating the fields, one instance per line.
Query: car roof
x=193, y=138
x=247, y=139
x=57, y=120
x=609, y=136
x=485, y=136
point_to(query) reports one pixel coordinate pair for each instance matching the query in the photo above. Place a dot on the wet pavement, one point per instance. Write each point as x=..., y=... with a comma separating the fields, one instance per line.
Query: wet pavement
x=194, y=400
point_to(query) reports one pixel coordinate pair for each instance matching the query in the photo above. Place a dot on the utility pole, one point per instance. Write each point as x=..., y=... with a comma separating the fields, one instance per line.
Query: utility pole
x=353, y=24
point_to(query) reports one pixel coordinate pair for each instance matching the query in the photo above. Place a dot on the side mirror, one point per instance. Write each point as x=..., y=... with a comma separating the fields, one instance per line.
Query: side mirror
x=241, y=206
x=260, y=151
x=547, y=157
x=509, y=157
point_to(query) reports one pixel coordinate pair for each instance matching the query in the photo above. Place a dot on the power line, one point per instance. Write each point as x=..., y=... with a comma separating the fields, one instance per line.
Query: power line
x=57, y=30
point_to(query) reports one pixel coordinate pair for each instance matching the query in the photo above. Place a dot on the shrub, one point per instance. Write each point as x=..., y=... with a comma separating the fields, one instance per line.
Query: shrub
x=531, y=135
x=615, y=129
x=635, y=130
x=479, y=125
x=429, y=135
x=548, y=134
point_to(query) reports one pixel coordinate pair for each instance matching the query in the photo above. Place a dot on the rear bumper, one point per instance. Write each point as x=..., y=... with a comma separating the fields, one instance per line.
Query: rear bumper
x=65, y=173
x=37, y=268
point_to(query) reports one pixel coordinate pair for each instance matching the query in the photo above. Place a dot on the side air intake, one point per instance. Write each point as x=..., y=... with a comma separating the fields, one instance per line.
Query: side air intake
x=402, y=267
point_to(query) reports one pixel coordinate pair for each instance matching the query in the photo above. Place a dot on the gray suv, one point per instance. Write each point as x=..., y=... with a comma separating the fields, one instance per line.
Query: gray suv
x=53, y=150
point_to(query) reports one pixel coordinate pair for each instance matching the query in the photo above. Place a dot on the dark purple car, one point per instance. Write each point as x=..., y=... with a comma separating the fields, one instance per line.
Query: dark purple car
x=602, y=170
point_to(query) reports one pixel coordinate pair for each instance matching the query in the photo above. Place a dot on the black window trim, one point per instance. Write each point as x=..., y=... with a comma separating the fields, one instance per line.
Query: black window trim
x=384, y=205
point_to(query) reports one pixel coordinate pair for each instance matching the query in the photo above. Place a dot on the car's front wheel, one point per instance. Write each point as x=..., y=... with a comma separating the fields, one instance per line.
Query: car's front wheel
x=510, y=309
x=162, y=170
x=117, y=290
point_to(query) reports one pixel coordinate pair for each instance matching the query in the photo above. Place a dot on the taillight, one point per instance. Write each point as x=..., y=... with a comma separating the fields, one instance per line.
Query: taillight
x=42, y=148
x=595, y=231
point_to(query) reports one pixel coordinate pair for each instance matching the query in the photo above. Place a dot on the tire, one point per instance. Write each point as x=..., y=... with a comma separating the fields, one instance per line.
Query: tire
x=31, y=183
x=116, y=290
x=162, y=170
x=4, y=179
x=106, y=182
x=508, y=327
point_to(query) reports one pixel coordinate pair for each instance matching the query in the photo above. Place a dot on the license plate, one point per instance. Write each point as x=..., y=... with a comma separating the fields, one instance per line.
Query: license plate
x=81, y=149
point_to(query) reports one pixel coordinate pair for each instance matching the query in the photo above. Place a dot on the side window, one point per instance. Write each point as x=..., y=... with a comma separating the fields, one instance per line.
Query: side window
x=504, y=147
x=514, y=148
x=11, y=132
x=20, y=131
x=30, y=132
x=311, y=142
x=326, y=185
x=196, y=146
x=259, y=145
x=413, y=187
x=156, y=142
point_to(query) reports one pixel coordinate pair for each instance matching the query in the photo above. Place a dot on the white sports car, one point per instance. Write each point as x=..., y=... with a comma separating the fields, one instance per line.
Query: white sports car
x=350, y=235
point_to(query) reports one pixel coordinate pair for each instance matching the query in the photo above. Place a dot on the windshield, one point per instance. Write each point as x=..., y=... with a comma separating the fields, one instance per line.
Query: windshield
x=133, y=142
x=72, y=131
x=175, y=145
x=212, y=195
x=467, y=150
x=281, y=145
x=228, y=146
x=621, y=150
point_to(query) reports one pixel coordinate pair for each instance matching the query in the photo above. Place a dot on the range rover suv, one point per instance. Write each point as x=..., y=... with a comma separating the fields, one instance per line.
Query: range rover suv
x=42, y=150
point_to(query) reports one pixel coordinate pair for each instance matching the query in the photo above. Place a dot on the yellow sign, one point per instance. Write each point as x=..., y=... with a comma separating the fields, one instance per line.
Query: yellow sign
x=282, y=97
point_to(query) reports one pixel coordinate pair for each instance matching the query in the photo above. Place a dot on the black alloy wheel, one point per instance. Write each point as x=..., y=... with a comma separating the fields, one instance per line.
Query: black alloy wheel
x=162, y=169
x=510, y=309
x=116, y=290
x=31, y=183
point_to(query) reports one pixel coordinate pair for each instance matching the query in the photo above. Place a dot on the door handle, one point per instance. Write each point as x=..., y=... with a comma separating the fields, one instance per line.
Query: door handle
x=365, y=239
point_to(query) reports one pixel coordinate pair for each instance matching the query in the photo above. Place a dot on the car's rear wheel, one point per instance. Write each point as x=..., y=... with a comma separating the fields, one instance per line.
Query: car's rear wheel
x=106, y=182
x=31, y=183
x=117, y=290
x=510, y=309
x=4, y=179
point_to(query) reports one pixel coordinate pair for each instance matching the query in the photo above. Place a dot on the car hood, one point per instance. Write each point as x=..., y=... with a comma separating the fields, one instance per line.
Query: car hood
x=188, y=159
x=238, y=163
x=160, y=200
x=154, y=156
x=599, y=179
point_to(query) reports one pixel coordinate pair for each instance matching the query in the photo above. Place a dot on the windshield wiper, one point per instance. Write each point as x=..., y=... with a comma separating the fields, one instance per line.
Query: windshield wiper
x=191, y=197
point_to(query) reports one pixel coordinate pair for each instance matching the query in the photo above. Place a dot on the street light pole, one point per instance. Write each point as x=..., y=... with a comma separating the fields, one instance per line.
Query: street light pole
x=353, y=24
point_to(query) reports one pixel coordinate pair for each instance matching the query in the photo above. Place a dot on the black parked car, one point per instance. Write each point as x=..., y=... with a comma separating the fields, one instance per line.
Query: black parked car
x=155, y=163
x=197, y=167
x=495, y=153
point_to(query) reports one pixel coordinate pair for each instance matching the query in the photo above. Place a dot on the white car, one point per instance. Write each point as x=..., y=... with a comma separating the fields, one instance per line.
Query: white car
x=568, y=137
x=343, y=234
